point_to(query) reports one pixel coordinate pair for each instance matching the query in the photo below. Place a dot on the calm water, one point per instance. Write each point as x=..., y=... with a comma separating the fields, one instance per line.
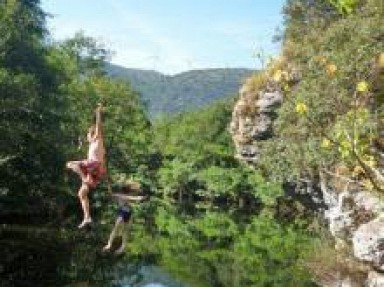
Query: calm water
x=170, y=251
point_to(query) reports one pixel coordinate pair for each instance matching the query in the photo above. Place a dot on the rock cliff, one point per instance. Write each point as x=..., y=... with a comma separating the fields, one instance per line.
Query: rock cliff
x=354, y=214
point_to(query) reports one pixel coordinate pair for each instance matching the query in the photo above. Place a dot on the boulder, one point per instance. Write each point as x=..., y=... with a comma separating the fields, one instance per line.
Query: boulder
x=368, y=242
x=345, y=282
x=340, y=216
x=375, y=279
x=268, y=102
x=252, y=120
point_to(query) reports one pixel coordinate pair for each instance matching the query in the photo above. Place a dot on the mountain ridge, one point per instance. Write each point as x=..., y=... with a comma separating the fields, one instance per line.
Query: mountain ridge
x=164, y=94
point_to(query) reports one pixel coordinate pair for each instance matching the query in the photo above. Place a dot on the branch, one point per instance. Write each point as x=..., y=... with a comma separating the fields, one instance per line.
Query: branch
x=370, y=172
x=347, y=179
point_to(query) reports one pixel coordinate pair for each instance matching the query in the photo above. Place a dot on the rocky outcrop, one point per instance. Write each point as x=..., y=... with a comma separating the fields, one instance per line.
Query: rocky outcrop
x=368, y=243
x=375, y=279
x=356, y=217
x=252, y=120
x=345, y=282
x=351, y=209
x=356, y=220
x=354, y=214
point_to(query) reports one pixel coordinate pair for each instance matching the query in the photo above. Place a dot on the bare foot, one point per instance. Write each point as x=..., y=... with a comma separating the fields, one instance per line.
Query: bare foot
x=107, y=247
x=120, y=250
x=85, y=223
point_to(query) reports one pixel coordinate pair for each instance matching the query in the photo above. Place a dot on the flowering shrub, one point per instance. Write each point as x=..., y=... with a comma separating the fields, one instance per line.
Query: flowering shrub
x=332, y=115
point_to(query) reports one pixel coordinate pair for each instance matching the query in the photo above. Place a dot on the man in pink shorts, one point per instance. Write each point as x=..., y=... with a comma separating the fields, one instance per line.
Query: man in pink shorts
x=92, y=169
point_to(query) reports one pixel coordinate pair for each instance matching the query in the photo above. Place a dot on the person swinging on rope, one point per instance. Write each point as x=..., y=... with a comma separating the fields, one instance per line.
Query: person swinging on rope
x=92, y=169
x=126, y=193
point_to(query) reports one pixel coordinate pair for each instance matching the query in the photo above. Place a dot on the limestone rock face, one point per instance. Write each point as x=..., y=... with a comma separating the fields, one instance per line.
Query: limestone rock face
x=356, y=219
x=355, y=216
x=252, y=120
x=368, y=242
x=349, y=209
x=375, y=279
x=346, y=282
x=269, y=101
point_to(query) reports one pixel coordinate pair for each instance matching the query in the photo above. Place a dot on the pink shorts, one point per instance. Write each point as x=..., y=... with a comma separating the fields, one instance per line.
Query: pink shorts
x=93, y=170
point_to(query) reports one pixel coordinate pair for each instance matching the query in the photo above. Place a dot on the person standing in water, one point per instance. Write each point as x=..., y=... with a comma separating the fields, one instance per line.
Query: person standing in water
x=92, y=169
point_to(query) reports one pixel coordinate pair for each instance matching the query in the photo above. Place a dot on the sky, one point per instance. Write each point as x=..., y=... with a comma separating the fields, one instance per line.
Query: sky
x=172, y=36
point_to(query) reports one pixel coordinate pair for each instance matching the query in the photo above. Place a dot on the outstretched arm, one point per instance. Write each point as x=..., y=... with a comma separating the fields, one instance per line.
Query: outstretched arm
x=135, y=198
x=98, y=130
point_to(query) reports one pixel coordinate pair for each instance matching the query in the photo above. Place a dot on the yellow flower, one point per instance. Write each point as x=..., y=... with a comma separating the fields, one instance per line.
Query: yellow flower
x=370, y=161
x=362, y=86
x=368, y=184
x=277, y=76
x=331, y=69
x=325, y=143
x=345, y=144
x=380, y=61
x=301, y=108
x=321, y=59
x=285, y=75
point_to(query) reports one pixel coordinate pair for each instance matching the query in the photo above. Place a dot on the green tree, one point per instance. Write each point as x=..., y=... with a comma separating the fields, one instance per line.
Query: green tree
x=31, y=103
x=126, y=127
x=331, y=117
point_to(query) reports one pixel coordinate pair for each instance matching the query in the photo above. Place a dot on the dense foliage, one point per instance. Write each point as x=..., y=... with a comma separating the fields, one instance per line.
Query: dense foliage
x=30, y=104
x=198, y=160
x=48, y=95
x=205, y=204
x=332, y=118
x=164, y=94
x=221, y=228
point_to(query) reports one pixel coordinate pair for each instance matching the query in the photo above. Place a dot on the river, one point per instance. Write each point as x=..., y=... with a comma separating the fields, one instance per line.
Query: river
x=211, y=249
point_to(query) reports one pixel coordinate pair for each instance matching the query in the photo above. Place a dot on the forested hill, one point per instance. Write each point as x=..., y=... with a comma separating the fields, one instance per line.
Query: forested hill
x=163, y=94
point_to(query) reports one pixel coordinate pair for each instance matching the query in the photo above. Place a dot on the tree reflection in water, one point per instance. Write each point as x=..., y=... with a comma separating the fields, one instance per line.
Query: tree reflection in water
x=173, y=251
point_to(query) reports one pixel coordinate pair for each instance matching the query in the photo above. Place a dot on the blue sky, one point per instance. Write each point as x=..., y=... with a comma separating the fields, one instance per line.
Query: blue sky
x=173, y=36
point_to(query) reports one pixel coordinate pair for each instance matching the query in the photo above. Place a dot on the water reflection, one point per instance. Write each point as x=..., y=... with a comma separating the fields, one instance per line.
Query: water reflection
x=171, y=250
x=150, y=276
x=154, y=285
